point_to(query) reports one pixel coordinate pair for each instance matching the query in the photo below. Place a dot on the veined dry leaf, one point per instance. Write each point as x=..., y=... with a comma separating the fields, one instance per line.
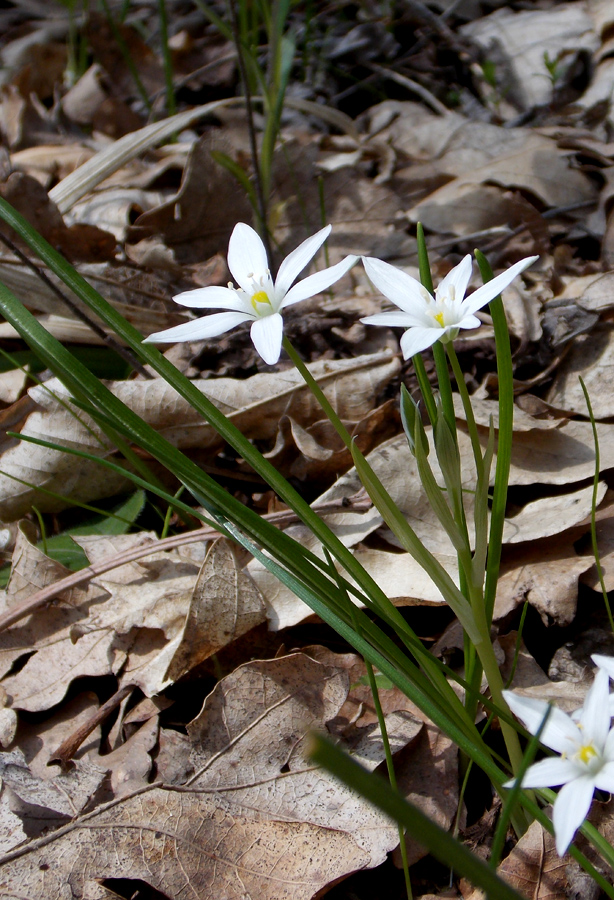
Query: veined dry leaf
x=214, y=848
x=225, y=604
x=257, y=818
x=485, y=411
x=249, y=743
x=255, y=405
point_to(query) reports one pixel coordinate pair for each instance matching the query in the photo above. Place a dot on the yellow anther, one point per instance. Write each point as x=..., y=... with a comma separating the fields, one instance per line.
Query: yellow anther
x=260, y=297
x=586, y=753
x=439, y=318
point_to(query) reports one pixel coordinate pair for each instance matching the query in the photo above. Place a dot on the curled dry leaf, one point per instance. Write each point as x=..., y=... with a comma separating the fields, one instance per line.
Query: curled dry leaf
x=519, y=41
x=255, y=405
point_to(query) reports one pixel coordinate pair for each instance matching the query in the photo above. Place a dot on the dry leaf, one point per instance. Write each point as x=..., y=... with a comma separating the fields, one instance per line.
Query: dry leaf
x=225, y=604
x=517, y=41
x=255, y=405
x=592, y=357
x=257, y=818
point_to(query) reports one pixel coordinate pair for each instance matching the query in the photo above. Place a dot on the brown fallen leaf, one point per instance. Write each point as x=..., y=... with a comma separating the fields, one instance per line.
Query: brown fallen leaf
x=255, y=817
x=517, y=41
x=185, y=221
x=533, y=867
x=249, y=743
x=254, y=404
x=83, y=242
x=592, y=357
x=225, y=604
x=182, y=841
x=546, y=573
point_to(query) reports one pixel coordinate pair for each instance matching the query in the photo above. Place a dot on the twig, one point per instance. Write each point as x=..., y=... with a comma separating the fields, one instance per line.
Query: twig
x=69, y=747
x=32, y=603
x=412, y=86
x=262, y=204
x=108, y=339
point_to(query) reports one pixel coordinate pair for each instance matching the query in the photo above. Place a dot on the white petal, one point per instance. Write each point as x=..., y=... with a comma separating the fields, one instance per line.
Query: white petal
x=458, y=278
x=570, y=808
x=212, y=298
x=415, y=340
x=266, y=333
x=318, y=282
x=604, y=779
x=604, y=662
x=560, y=734
x=246, y=257
x=199, y=329
x=595, y=716
x=609, y=741
x=493, y=288
x=469, y=322
x=293, y=265
x=395, y=319
x=550, y=772
x=404, y=291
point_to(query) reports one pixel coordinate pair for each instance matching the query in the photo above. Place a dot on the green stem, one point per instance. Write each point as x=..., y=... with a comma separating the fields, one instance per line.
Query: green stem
x=464, y=394
x=594, y=504
x=318, y=393
x=391, y=773
x=505, y=374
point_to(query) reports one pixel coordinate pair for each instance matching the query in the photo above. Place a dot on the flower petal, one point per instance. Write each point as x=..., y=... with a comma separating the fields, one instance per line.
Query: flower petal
x=417, y=339
x=318, y=282
x=604, y=662
x=570, y=808
x=604, y=779
x=595, y=716
x=295, y=262
x=469, y=322
x=266, y=333
x=199, y=329
x=560, y=734
x=549, y=773
x=212, y=298
x=493, y=288
x=458, y=278
x=404, y=291
x=394, y=319
x=247, y=257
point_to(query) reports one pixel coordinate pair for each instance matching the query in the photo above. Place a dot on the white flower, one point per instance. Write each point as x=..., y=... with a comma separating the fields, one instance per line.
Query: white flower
x=259, y=298
x=439, y=318
x=587, y=754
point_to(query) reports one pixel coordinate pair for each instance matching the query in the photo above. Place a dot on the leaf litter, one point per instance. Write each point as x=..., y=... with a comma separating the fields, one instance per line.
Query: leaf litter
x=109, y=771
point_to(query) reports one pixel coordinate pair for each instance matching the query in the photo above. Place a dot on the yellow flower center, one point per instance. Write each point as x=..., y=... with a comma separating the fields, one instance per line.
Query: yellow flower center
x=586, y=753
x=260, y=297
x=439, y=318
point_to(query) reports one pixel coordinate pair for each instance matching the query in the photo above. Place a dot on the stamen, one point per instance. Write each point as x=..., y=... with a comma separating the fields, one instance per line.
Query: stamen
x=439, y=318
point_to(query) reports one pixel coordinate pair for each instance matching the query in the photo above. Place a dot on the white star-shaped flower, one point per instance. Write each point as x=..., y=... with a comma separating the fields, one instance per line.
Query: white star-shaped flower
x=259, y=298
x=587, y=754
x=429, y=319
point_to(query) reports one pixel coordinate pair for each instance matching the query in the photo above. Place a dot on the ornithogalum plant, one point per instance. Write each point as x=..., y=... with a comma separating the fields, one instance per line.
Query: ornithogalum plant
x=334, y=584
